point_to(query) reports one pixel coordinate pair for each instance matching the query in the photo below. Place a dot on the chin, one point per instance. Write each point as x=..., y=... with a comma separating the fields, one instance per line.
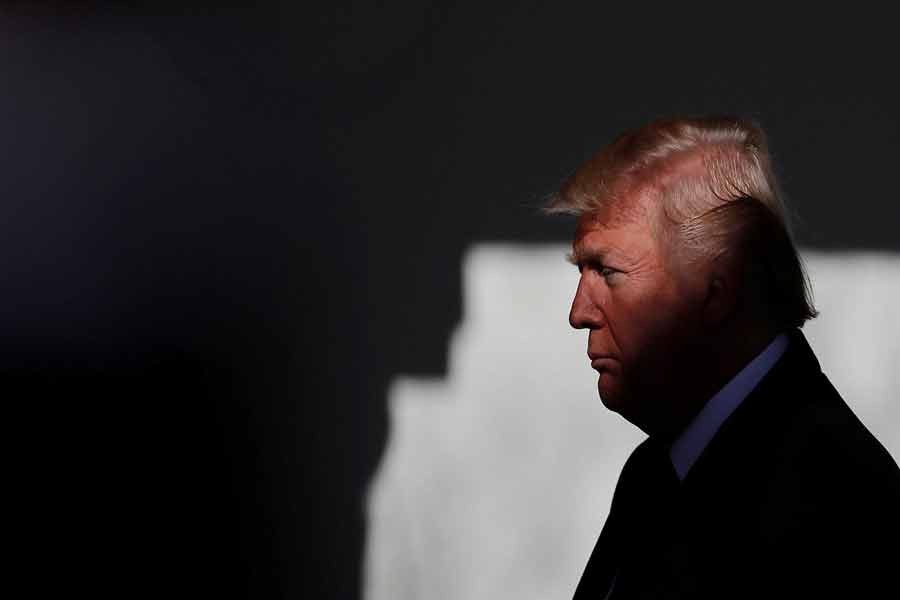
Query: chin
x=618, y=402
x=612, y=398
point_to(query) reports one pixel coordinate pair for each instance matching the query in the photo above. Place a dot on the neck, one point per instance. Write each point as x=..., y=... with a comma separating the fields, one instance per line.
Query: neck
x=718, y=360
x=737, y=349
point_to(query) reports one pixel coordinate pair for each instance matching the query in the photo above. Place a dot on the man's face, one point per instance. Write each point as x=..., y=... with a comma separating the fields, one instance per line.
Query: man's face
x=643, y=320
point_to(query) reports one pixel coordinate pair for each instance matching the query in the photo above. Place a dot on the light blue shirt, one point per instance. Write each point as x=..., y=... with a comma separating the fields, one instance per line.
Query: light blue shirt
x=693, y=440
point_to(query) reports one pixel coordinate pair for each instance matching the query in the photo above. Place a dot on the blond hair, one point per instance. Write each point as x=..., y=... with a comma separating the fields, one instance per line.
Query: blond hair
x=716, y=197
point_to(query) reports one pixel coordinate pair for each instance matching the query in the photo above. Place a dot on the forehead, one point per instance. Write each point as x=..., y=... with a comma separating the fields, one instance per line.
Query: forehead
x=628, y=221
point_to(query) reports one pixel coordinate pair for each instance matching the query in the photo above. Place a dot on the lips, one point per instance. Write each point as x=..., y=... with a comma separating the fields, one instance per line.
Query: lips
x=599, y=363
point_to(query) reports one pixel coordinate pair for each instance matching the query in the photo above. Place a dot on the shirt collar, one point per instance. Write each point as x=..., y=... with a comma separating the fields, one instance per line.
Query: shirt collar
x=693, y=440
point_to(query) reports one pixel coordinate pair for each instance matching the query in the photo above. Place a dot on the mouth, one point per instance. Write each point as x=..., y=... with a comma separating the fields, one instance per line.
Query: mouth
x=602, y=363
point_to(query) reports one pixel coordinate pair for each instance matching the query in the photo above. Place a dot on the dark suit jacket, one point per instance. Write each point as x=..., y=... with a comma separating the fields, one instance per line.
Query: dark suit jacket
x=792, y=498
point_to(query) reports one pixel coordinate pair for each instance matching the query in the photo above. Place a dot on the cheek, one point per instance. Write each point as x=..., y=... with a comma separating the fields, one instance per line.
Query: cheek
x=651, y=323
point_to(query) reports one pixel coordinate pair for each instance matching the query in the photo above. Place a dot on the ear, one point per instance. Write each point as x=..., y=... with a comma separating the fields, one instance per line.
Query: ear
x=722, y=297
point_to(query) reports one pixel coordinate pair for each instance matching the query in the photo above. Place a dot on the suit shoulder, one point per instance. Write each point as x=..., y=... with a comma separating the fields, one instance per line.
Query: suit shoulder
x=829, y=465
x=827, y=431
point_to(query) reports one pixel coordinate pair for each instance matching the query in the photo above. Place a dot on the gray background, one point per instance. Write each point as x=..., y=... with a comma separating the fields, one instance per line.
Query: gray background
x=227, y=232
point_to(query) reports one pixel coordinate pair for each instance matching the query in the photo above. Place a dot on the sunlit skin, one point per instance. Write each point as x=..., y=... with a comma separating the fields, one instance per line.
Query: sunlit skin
x=649, y=337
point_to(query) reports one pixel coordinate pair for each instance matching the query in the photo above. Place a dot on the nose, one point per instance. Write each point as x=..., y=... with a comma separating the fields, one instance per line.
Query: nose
x=585, y=312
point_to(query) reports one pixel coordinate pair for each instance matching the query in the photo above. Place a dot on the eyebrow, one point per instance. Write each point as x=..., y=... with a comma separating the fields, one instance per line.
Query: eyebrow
x=590, y=255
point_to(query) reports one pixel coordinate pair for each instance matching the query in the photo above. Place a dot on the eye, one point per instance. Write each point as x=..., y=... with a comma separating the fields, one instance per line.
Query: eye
x=595, y=266
x=608, y=273
x=602, y=270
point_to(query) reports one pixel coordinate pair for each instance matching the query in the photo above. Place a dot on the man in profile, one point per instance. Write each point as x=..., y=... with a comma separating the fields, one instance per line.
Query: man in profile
x=756, y=479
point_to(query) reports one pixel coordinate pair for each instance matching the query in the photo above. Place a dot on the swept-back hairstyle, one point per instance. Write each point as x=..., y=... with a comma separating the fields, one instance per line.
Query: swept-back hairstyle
x=709, y=187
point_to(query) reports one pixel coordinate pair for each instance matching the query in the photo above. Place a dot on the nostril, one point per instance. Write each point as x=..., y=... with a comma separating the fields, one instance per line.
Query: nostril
x=575, y=320
x=578, y=313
